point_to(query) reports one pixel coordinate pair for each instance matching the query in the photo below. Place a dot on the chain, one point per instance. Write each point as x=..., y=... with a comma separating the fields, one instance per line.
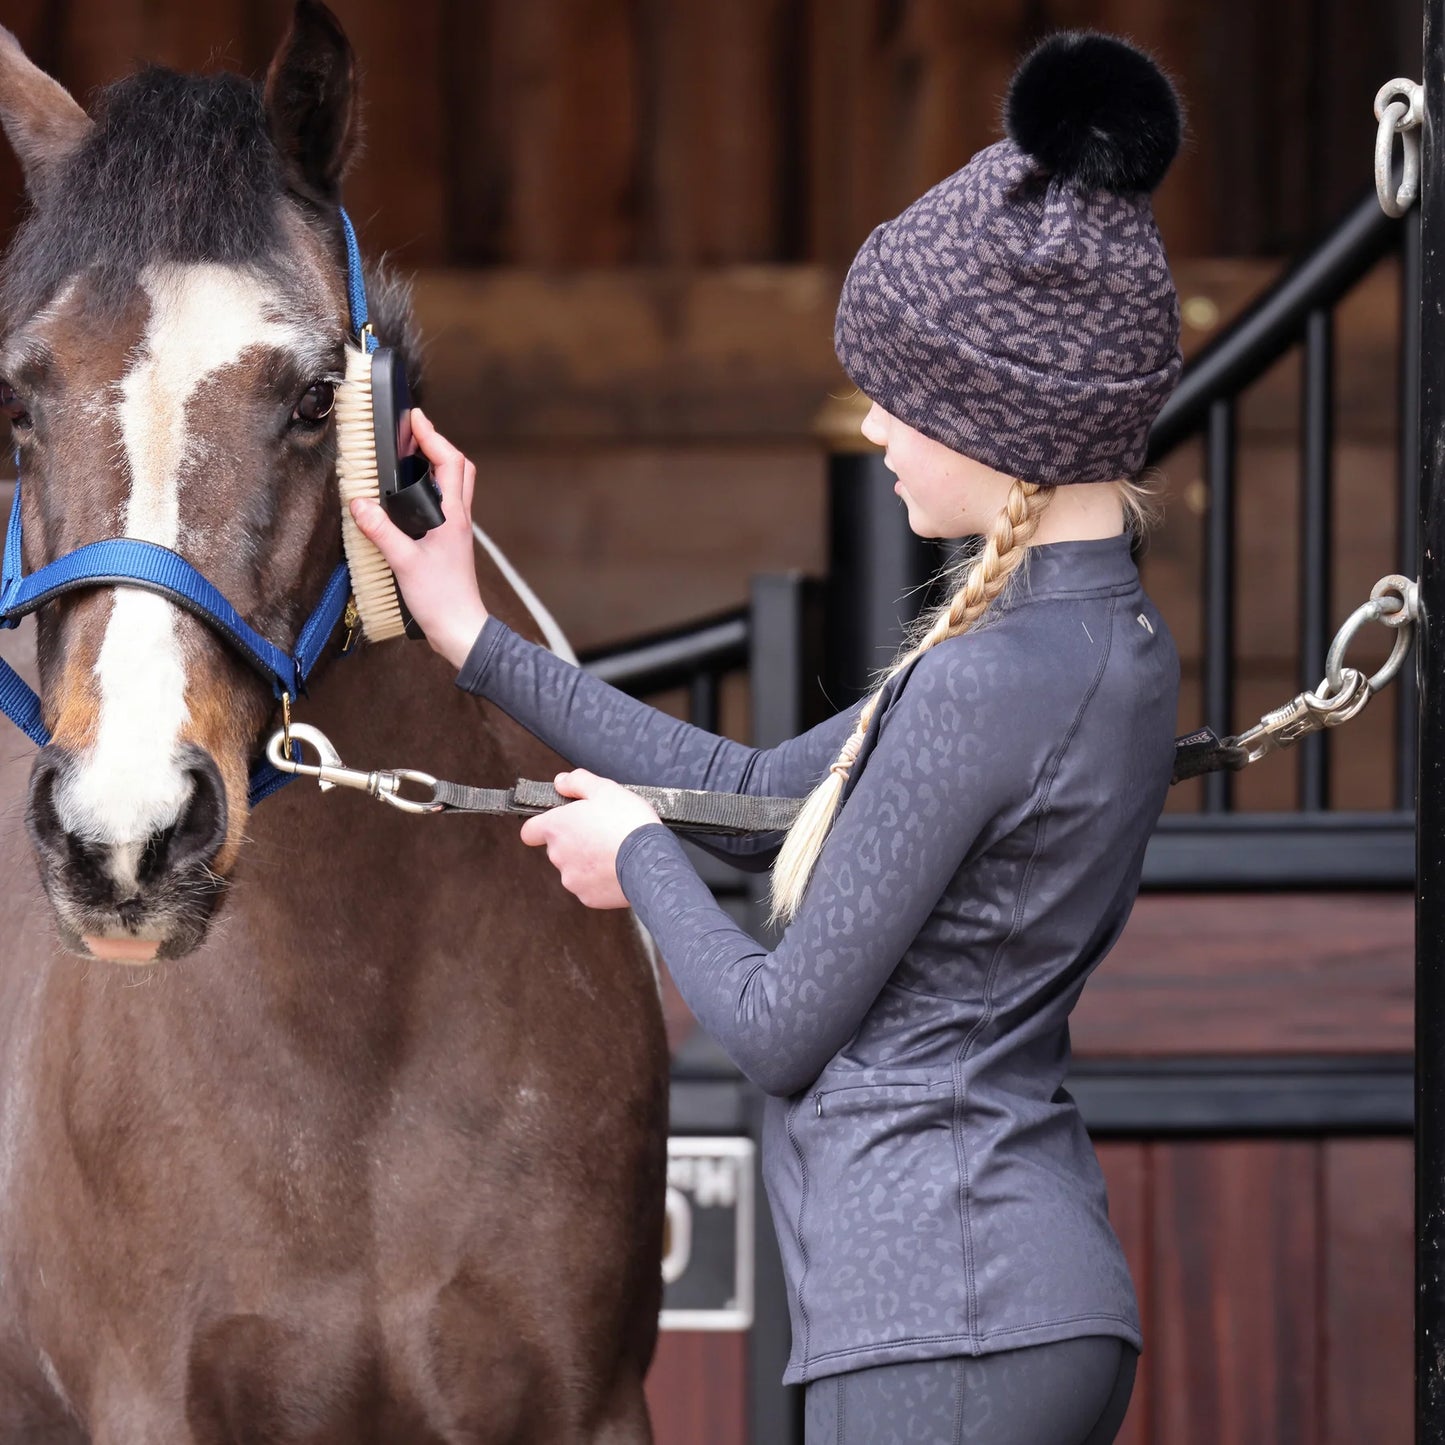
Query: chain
x=1400, y=109
x=1345, y=691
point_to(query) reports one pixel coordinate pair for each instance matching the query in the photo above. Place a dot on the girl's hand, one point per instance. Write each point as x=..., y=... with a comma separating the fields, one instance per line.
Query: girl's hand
x=438, y=574
x=582, y=838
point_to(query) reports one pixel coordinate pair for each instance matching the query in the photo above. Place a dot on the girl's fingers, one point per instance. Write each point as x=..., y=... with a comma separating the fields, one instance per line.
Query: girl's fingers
x=382, y=532
x=579, y=783
x=435, y=445
x=449, y=466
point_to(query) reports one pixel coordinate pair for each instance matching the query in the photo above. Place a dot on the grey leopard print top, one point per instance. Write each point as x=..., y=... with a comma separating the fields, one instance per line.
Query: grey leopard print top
x=933, y=1187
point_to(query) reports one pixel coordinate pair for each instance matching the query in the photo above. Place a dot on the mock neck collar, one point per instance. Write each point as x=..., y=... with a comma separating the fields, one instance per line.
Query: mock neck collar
x=1094, y=564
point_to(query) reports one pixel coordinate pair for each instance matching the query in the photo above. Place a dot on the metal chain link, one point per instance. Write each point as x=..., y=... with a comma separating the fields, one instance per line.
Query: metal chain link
x=1400, y=109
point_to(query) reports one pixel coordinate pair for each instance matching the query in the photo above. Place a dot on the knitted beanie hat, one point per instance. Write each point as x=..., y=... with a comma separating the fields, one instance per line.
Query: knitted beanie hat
x=1022, y=312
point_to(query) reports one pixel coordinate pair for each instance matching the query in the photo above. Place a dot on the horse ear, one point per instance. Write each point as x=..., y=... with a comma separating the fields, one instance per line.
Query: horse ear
x=311, y=103
x=40, y=116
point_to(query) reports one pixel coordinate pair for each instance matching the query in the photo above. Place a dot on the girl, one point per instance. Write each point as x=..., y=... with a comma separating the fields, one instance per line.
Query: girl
x=974, y=830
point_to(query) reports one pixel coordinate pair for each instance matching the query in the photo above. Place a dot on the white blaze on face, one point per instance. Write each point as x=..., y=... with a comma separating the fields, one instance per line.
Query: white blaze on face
x=202, y=318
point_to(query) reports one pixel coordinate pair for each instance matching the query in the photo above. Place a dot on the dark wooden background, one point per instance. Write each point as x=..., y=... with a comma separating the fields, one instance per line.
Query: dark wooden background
x=628, y=220
x=578, y=133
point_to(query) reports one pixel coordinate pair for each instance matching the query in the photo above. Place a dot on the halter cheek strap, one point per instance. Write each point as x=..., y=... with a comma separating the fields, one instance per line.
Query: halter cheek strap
x=130, y=562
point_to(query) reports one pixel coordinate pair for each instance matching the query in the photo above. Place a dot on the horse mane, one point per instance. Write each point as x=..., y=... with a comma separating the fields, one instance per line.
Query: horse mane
x=177, y=168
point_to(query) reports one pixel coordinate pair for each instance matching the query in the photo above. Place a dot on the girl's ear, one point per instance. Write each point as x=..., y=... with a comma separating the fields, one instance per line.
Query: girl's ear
x=40, y=116
x=311, y=103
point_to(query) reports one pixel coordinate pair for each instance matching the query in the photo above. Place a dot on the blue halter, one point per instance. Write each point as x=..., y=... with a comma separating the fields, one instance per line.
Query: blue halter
x=129, y=562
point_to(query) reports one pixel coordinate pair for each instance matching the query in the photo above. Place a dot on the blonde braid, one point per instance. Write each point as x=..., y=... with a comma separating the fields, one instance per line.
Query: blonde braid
x=986, y=577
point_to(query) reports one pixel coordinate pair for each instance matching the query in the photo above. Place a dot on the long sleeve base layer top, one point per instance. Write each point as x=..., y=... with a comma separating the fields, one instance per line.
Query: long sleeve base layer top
x=932, y=1184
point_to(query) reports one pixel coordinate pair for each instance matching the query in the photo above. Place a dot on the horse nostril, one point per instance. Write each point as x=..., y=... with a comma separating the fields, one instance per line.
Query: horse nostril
x=42, y=817
x=199, y=831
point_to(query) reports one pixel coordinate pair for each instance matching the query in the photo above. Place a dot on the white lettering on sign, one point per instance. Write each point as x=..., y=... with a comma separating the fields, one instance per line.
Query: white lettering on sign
x=677, y=1233
x=713, y=1183
x=709, y=1240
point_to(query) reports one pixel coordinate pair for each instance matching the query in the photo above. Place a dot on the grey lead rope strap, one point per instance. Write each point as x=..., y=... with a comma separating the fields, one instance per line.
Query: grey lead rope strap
x=689, y=809
x=1342, y=695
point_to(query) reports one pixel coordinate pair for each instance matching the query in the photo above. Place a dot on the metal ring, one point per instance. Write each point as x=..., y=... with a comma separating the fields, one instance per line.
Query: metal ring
x=1331, y=705
x=1400, y=109
x=392, y=795
x=1410, y=92
x=1408, y=591
x=1372, y=611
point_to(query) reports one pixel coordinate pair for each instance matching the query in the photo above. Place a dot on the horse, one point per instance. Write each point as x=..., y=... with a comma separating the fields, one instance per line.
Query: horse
x=371, y=1147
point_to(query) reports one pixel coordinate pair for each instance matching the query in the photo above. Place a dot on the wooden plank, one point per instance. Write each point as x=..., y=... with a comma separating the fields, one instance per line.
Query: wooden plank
x=844, y=144
x=1236, y=1293
x=1240, y=974
x=1369, y=1288
x=396, y=191
x=697, y=1389
x=674, y=354
x=542, y=101
x=715, y=132
x=1126, y=1173
x=632, y=539
x=605, y=356
x=900, y=95
x=102, y=40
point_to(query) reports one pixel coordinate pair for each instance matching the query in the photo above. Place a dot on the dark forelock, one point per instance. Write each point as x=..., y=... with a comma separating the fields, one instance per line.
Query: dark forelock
x=177, y=168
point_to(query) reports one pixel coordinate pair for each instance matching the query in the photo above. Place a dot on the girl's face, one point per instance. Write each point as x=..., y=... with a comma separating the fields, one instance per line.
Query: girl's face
x=947, y=494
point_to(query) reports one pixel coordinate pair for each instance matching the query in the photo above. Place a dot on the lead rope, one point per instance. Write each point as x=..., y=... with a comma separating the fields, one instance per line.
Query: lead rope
x=1343, y=694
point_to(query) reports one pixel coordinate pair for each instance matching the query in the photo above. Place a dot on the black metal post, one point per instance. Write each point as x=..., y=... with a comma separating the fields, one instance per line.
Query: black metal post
x=1316, y=497
x=1430, y=857
x=878, y=573
x=702, y=700
x=782, y=666
x=1408, y=544
x=1218, y=663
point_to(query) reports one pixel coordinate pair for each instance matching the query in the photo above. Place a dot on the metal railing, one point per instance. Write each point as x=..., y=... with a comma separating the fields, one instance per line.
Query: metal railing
x=1311, y=846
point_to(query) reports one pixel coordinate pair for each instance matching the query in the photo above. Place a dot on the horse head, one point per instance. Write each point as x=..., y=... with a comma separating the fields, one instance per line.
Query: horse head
x=173, y=318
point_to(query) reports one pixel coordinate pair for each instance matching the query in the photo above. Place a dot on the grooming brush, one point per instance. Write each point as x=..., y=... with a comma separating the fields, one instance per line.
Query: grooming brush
x=377, y=459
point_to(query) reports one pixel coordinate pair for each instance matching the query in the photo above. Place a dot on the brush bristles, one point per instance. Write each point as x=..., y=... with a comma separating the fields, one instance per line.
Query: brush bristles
x=372, y=584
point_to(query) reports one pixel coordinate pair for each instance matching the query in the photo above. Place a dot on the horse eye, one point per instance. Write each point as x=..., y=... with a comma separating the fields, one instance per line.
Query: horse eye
x=316, y=405
x=12, y=407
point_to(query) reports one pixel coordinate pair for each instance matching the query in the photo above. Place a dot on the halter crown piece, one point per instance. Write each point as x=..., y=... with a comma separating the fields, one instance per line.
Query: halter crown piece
x=130, y=562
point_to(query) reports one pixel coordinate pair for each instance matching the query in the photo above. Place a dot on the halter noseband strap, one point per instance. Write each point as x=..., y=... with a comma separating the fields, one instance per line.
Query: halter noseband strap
x=130, y=562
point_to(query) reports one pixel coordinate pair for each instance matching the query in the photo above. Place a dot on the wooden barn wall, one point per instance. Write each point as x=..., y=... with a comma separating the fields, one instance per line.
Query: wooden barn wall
x=629, y=219
x=579, y=133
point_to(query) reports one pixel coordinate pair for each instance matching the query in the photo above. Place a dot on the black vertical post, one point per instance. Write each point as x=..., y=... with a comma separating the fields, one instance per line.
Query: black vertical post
x=1408, y=542
x=1218, y=650
x=702, y=700
x=1430, y=836
x=782, y=667
x=878, y=573
x=1316, y=497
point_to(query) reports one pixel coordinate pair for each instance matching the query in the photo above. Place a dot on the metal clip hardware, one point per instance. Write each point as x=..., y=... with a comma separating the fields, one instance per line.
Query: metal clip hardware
x=1344, y=692
x=1309, y=712
x=330, y=772
x=349, y=620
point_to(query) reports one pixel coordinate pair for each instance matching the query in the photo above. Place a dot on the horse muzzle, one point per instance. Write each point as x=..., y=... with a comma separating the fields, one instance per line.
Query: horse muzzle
x=129, y=877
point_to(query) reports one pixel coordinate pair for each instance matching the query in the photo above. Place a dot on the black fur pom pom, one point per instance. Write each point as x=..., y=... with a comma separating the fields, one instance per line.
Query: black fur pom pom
x=1094, y=110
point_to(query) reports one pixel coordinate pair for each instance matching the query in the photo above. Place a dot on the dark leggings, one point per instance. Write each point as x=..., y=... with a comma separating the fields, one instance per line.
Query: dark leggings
x=1072, y=1392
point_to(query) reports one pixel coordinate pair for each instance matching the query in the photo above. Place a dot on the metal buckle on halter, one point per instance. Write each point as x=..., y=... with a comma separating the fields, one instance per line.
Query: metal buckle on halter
x=330, y=772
